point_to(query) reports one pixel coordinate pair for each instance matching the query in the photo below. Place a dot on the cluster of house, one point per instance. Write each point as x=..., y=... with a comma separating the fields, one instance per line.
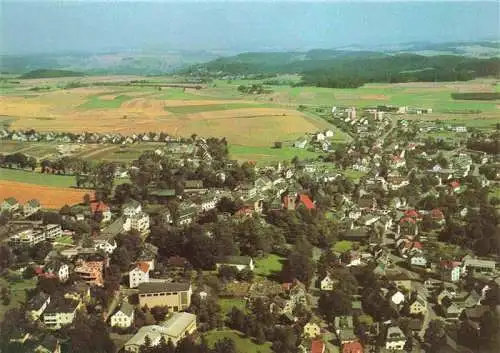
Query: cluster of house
x=13, y=206
x=320, y=139
x=81, y=138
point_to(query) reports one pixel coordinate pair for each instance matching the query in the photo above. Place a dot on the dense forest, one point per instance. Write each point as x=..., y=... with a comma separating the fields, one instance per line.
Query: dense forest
x=346, y=69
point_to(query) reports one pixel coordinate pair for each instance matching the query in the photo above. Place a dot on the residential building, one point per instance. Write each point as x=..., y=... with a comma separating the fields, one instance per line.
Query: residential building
x=139, y=274
x=395, y=338
x=124, y=317
x=477, y=265
x=240, y=262
x=61, y=313
x=418, y=305
x=328, y=283
x=57, y=269
x=37, y=305
x=397, y=298
x=175, y=295
x=91, y=272
x=312, y=330
x=317, y=346
x=418, y=260
x=450, y=271
x=138, y=222
x=352, y=347
x=31, y=207
x=105, y=243
x=49, y=344
x=52, y=231
x=27, y=237
x=178, y=326
x=10, y=205
x=131, y=208
x=99, y=207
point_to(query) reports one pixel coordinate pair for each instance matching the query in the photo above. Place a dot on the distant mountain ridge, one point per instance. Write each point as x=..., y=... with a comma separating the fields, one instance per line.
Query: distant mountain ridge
x=164, y=62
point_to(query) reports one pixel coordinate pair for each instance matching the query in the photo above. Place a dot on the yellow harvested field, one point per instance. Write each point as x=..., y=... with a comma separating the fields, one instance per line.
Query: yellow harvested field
x=49, y=197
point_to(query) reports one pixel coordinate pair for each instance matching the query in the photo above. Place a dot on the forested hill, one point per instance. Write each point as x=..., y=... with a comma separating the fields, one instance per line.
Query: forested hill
x=51, y=73
x=331, y=68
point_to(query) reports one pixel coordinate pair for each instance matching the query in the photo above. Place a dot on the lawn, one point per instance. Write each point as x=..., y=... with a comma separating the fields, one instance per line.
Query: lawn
x=269, y=154
x=243, y=345
x=29, y=177
x=269, y=265
x=96, y=102
x=227, y=304
x=342, y=246
x=18, y=294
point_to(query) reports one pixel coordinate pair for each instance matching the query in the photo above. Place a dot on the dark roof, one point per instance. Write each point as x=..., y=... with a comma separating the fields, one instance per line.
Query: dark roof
x=162, y=192
x=235, y=260
x=49, y=342
x=37, y=301
x=355, y=233
x=176, y=261
x=61, y=306
x=127, y=308
x=156, y=287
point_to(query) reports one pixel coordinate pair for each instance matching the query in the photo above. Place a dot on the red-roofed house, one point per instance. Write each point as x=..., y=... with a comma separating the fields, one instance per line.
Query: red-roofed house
x=306, y=201
x=437, y=215
x=139, y=274
x=102, y=208
x=407, y=220
x=291, y=202
x=352, y=347
x=397, y=162
x=455, y=185
x=413, y=214
x=317, y=346
x=450, y=270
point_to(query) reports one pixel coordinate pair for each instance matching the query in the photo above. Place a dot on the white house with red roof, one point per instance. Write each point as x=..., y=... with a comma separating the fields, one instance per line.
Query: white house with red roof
x=139, y=274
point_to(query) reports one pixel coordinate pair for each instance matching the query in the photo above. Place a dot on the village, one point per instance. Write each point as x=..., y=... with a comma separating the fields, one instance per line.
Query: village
x=388, y=243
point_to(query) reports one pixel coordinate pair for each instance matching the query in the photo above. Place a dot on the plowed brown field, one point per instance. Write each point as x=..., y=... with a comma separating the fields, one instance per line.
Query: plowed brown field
x=49, y=197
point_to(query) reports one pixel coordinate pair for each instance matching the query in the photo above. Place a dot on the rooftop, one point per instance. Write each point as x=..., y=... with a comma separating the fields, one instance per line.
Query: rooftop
x=156, y=287
x=178, y=323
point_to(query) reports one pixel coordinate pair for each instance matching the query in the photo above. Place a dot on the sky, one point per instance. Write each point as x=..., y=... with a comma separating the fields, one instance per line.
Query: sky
x=49, y=26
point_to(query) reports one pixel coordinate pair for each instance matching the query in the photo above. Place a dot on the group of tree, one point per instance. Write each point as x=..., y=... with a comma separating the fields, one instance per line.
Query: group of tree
x=18, y=160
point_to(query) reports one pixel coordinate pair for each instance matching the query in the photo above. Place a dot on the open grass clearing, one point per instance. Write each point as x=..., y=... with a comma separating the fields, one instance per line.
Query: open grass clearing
x=269, y=265
x=98, y=102
x=269, y=154
x=342, y=246
x=27, y=176
x=227, y=304
x=243, y=344
x=18, y=293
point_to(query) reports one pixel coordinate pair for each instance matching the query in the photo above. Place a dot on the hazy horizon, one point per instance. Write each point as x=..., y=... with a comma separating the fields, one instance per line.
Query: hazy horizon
x=237, y=26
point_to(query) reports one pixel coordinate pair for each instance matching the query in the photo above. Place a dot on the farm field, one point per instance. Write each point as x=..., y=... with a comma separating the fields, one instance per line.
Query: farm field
x=49, y=196
x=268, y=154
x=243, y=344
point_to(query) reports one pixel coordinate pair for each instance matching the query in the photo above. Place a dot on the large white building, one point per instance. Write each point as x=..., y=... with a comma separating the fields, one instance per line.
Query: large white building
x=178, y=326
x=138, y=222
x=35, y=234
x=60, y=314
